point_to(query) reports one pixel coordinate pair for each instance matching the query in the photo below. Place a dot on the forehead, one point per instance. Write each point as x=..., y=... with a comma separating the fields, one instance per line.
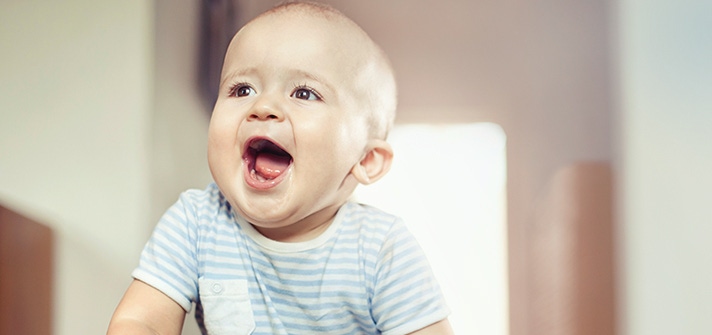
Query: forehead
x=310, y=42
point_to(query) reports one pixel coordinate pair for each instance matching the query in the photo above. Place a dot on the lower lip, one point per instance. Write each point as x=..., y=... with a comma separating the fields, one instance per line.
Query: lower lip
x=257, y=184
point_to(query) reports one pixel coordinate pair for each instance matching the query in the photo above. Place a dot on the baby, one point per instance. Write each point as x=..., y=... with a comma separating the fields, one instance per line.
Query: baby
x=274, y=246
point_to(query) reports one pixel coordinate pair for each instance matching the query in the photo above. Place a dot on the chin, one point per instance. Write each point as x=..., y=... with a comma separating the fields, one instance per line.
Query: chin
x=266, y=214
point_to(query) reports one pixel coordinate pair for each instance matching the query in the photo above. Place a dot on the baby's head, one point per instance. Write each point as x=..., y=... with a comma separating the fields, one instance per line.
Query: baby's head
x=305, y=104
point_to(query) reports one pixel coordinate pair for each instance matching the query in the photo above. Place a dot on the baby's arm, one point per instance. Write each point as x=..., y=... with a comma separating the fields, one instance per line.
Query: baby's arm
x=146, y=310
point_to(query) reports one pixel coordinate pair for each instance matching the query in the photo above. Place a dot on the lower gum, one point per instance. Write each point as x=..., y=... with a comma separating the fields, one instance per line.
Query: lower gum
x=258, y=177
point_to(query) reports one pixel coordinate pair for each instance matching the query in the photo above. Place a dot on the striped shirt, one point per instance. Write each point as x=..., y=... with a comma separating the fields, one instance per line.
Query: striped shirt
x=365, y=274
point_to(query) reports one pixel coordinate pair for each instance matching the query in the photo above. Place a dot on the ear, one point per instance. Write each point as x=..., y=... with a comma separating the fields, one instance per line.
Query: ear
x=375, y=163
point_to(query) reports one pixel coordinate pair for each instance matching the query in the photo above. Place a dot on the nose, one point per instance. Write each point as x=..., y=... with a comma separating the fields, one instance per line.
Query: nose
x=266, y=109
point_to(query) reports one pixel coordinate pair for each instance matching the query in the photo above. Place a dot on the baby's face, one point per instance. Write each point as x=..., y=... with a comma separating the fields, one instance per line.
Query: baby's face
x=286, y=129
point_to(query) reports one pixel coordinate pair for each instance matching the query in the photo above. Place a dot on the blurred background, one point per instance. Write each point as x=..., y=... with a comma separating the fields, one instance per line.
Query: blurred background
x=103, y=122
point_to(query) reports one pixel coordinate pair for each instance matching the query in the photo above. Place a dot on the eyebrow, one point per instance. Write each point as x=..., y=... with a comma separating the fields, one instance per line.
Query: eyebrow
x=318, y=79
x=236, y=73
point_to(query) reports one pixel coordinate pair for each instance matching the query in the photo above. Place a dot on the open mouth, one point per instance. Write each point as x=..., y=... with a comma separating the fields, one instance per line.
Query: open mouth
x=266, y=162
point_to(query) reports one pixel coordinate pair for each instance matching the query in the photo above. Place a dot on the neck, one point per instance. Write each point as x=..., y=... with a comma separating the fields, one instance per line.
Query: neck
x=304, y=230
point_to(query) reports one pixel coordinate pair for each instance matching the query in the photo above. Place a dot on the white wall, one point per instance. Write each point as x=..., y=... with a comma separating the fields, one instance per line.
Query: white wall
x=665, y=164
x=75, y=92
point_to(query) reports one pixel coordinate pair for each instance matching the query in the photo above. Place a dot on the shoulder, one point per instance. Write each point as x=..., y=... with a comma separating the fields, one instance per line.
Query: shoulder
x=196, y=210
x=367, y=218
x=372, y=224
x=366, y=214
x=208, y=201
x=209, y=196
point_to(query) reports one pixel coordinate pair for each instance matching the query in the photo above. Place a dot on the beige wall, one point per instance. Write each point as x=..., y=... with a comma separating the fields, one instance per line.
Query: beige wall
x=180, y=118
x=75, y=93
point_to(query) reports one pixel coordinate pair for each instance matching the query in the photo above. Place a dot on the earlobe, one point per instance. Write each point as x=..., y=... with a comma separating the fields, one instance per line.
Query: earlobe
x=375, y=163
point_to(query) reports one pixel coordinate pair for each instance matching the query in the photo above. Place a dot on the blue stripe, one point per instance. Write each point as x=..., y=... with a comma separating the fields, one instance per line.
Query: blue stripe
x=417, y=310
x=394, y=289
x=302, y=294
x=168, y=242
x=186, y=285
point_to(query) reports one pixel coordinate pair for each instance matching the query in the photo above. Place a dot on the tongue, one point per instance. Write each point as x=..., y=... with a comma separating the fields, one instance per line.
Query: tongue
x=269, y=165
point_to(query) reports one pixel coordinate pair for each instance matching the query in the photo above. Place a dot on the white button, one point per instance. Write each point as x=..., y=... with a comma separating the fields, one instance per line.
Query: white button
x=217, y=288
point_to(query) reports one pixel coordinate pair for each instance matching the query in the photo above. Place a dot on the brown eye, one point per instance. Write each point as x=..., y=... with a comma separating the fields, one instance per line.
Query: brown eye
x=242, y=91
x=305, y=94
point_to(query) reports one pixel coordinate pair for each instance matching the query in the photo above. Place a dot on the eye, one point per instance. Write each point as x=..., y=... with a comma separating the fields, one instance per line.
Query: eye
x=241, y=90
x=305, y=93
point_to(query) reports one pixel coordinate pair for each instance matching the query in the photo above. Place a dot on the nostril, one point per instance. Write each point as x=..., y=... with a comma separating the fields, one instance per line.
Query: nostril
x=263, y=116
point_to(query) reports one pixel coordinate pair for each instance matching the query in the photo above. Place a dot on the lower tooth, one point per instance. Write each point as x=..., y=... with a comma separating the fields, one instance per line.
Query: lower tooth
x=254, y=175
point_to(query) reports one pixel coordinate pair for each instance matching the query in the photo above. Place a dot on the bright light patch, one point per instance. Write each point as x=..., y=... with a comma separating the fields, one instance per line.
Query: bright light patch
x=448, y=183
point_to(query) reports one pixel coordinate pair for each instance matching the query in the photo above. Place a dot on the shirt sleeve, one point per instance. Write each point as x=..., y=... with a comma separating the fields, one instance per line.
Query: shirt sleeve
x=168, y=261
x=406, y=297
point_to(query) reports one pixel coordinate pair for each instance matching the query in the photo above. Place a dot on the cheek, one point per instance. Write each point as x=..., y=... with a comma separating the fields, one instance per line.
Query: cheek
x=222, y=147
x=223, y=128
x=336, y=146
x=354, y=136
x=217, y=146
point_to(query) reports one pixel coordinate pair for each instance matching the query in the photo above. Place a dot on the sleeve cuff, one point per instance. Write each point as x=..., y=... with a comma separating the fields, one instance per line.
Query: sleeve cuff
x=164, y=287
